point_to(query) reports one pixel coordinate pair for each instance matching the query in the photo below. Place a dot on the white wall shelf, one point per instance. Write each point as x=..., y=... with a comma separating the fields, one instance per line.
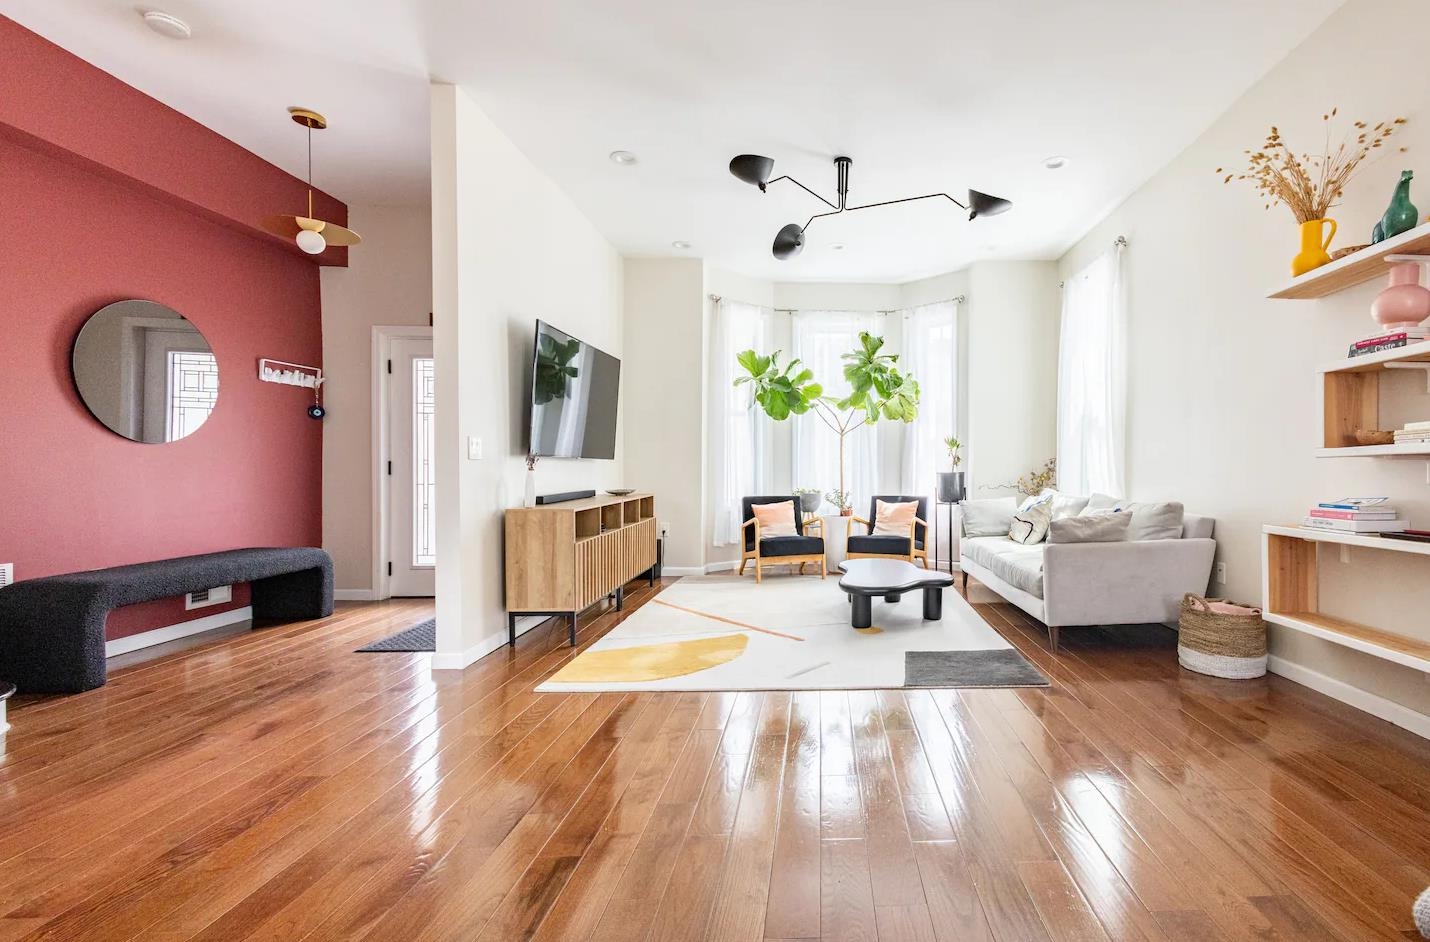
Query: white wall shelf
x=1355, y=268
x=1290, y=597
x=1416, y=450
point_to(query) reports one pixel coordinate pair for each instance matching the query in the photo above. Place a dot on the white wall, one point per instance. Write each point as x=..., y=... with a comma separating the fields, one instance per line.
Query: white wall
x=508, y=248
x=1012, y=333
x=1223, y=410
x=664, y=392
x=388, y=281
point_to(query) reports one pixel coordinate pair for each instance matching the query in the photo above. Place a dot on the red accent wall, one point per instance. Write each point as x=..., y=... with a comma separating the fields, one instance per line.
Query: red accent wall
x=74, y=495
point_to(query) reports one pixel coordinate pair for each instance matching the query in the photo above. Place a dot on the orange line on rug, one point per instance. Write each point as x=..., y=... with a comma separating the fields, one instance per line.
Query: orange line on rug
x=728, y=621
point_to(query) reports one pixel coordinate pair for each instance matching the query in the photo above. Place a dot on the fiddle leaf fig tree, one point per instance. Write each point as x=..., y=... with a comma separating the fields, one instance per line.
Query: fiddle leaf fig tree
x=877, y=389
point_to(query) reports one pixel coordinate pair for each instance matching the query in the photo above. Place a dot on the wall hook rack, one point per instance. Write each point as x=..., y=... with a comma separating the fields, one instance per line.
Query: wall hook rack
x=289, y=374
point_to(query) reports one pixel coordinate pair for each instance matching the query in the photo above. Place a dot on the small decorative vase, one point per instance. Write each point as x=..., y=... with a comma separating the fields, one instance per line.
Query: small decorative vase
x=1405, y=303
x=950, y=487
x=1401, y=215
x=846, y=511
x=1313, y=247
x=529, y=500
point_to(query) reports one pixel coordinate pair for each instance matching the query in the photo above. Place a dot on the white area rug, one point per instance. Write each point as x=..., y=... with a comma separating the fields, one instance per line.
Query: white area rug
x=789, y=633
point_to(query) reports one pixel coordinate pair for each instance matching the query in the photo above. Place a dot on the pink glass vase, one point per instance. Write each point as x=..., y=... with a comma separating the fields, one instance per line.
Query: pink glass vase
x=1405, y=303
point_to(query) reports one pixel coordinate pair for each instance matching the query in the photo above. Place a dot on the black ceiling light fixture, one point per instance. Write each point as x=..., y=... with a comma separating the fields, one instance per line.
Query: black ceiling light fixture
x=789, y=241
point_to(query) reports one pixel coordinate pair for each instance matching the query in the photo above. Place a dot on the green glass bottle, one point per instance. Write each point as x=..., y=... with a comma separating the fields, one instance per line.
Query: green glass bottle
x=1401, y=215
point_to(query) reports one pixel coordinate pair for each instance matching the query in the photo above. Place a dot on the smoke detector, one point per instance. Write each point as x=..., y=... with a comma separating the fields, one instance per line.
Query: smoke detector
x=167, y=24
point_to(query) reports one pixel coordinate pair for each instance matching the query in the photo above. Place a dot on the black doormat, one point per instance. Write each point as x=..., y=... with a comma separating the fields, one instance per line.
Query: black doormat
x=420, y=637
x=1000, y=668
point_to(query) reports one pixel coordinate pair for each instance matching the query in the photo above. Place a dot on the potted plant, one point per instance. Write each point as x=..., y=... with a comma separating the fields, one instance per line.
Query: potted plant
x=951, y=488
x=1310, y=184
x=809, y=498
x=878, y=389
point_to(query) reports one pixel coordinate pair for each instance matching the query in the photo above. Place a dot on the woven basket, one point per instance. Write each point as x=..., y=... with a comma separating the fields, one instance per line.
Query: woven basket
x=1232, y=646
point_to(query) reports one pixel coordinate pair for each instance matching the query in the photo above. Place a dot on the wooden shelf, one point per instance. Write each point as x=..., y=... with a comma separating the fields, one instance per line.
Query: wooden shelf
x=1417, y=450
x=1410, y=353
x=1290, y=595
x=1357, y=268
x=1382, y=644
x=1369, y=541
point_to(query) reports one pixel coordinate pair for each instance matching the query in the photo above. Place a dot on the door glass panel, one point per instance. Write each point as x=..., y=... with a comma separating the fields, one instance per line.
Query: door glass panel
x=424, y=481
x=193, y=391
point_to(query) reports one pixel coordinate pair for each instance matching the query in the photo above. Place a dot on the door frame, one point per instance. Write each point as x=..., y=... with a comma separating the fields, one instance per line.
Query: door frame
x=382, y=339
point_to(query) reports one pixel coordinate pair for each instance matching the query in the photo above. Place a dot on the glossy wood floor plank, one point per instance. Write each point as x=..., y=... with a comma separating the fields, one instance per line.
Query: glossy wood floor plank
x=276, y=786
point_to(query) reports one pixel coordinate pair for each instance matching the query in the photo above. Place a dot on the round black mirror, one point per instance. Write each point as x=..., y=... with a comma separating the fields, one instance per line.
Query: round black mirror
x=145, y=371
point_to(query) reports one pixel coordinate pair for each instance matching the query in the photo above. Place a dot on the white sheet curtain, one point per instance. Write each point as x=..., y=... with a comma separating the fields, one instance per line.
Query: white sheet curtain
x=820, y=338
x=931, y=355
x=1092, y=380
x=738, y=462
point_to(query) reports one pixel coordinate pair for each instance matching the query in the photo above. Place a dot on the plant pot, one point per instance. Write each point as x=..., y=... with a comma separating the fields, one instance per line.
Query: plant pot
x=951, y=488
x=1313, y=248
x=846, y=512
x=809, y=503
x=1405, y=303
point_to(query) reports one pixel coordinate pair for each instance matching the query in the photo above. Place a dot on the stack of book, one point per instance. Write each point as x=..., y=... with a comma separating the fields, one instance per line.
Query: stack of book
x=1389, y=341
x=1414, y=433
x=1355, y=515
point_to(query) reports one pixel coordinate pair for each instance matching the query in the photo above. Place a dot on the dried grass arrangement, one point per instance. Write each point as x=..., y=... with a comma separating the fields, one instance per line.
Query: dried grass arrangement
x=1310, y=184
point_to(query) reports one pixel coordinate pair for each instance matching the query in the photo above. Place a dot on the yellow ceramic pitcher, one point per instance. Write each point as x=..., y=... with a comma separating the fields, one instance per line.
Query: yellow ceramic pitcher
x=1313, y=248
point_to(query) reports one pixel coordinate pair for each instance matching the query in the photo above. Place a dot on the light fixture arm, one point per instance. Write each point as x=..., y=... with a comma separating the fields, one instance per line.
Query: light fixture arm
x=802, y=187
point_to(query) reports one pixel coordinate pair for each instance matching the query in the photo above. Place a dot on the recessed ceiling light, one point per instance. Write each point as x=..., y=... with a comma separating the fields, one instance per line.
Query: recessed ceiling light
x=167, y=24
x=837, y=246
x=680, y=244
x=1055, y=162
x=623, y=157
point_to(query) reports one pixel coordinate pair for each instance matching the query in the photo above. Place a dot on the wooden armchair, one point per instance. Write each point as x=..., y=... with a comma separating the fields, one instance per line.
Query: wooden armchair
x=803, y=548
x=871, y=545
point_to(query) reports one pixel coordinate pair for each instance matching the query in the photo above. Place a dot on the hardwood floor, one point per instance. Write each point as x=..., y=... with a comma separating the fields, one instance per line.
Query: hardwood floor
x=278, y=786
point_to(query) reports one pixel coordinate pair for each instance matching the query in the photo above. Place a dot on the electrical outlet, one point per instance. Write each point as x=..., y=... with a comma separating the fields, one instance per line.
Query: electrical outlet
x=474, y=448
x=7, y=574
x=664, y=529
x=1221, y=573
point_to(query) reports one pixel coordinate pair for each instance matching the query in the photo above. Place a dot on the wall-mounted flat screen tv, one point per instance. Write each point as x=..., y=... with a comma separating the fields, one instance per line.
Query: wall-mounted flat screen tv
x=574, y=388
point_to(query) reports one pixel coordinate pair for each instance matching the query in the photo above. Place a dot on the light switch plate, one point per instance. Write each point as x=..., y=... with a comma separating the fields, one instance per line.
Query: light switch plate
x=474, y=448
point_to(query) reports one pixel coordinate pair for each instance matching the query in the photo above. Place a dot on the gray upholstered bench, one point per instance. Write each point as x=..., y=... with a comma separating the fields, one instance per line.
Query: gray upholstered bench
x=52, y=629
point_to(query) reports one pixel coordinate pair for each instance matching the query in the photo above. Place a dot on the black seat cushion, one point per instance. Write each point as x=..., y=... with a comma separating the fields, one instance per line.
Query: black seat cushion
x=746, y=514
x=882, y=544
x=791, y=546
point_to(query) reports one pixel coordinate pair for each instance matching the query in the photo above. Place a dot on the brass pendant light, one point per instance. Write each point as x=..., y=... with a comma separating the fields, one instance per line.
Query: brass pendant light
x=313, y=235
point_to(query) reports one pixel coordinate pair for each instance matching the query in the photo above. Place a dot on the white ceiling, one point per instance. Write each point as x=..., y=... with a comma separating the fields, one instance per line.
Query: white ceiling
x=924, y=95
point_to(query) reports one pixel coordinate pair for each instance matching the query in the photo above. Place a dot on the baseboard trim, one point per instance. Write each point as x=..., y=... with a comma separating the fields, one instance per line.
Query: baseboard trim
x=147, y=639
x=353, y=595
x=1377, y=706
x=464, y=659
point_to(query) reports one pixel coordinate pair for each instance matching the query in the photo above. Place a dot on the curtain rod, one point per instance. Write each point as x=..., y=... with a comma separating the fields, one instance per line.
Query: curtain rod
x=956, y=299
x=1118, y=243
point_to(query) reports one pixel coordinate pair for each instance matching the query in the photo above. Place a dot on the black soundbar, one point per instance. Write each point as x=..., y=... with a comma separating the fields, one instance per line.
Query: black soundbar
x=559, y=498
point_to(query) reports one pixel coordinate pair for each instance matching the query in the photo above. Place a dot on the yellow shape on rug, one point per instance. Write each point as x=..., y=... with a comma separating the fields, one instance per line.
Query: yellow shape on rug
x=651, y=661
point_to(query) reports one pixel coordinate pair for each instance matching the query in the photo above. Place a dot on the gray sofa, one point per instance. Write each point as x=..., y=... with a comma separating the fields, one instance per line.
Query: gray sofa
x=1065, y=585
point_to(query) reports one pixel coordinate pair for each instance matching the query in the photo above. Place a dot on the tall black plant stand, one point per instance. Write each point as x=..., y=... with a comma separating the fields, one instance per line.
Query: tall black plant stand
x=948, y=546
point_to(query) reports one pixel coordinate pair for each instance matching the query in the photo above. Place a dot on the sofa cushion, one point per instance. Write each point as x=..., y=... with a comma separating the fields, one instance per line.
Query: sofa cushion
x=791, y=546
x=1065, y=505
x=775, y=520
x=1102, y=504
x=1090, y=528
x=1030, y=523
x=881, y=544
x=990, y=517
x=1016, y=564
x=1154, y=521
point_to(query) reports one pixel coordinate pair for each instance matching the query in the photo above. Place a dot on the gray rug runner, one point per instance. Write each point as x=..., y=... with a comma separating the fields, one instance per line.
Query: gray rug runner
x=1000, y=668
x=420, y=637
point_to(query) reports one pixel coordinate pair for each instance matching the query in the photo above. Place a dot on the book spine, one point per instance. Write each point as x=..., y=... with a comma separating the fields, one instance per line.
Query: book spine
x=1359, y=351
x=1384, y=338
x=1351, y=514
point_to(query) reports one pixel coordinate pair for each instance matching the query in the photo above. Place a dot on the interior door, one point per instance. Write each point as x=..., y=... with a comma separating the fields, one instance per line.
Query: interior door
x=412, y=520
